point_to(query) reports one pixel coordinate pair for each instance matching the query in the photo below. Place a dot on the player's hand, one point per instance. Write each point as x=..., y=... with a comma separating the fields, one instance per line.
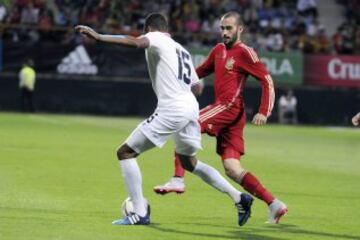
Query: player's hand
x=259, y=119
x=88, y=31
x=356, y=119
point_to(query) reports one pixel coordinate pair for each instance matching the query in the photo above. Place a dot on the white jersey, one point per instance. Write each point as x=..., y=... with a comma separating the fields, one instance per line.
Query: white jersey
x=171, y=71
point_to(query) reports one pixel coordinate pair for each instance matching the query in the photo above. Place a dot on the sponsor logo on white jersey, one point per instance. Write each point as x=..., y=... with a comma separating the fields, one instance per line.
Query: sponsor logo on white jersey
x=77, y=62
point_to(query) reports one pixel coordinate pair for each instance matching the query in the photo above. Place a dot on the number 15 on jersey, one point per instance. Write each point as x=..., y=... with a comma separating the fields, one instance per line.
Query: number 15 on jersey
x=183, y=60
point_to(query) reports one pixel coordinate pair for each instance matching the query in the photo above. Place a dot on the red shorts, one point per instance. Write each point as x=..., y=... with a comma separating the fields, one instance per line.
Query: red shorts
x=227, y=124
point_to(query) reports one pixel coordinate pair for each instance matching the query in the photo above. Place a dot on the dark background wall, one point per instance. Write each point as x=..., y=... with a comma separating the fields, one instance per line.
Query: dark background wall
x=315, y=105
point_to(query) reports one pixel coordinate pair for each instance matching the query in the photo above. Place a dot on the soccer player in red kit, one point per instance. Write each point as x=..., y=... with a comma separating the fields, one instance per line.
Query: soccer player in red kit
x=232, y=62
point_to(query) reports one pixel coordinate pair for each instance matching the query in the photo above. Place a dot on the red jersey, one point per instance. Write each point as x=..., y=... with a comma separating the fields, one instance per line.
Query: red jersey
x=232, y=67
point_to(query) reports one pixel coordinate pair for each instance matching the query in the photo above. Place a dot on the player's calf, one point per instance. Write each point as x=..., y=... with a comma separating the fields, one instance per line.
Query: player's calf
x=188, y=162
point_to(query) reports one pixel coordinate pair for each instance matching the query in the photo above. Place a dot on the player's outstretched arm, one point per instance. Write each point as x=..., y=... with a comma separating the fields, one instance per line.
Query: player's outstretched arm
x=259, y=119
x=129, y=41
x=356, y=119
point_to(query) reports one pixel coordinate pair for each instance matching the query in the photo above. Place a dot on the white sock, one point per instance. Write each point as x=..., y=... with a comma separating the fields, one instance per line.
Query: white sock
x=133, y=181
x=211, y=176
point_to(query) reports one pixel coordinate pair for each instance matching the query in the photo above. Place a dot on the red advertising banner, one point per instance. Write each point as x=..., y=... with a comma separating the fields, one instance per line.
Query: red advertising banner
x=332, y=70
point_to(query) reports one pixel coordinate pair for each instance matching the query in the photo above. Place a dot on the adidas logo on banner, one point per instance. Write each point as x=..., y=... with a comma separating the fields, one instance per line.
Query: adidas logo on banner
x=77, y=62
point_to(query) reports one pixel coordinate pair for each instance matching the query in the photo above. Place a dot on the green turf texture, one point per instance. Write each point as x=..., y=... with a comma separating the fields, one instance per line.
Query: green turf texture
x=59, y=179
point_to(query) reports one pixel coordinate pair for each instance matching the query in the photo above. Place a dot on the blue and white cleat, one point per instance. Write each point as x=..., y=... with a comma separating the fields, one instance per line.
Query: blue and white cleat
x=244, y=208
x=133, y=219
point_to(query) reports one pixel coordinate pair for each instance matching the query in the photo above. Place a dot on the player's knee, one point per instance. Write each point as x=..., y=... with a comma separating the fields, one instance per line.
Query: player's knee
x=234, y=173
x=230, y=172
x=187, y=162
x=125, y=152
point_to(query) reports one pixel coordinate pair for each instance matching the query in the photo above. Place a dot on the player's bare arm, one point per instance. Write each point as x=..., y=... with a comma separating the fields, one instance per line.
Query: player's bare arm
x=356, y=119
x=129, y=41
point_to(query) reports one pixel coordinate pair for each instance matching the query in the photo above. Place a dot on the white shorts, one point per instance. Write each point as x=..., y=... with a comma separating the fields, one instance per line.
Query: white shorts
x=157, y=129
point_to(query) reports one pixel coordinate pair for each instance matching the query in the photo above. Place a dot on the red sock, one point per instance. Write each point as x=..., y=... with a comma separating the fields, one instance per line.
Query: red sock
x=251, y=184
x=179, y=170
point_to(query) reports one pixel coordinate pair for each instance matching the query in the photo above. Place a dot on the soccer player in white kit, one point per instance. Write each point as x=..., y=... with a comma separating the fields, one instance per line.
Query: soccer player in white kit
x=172, y=75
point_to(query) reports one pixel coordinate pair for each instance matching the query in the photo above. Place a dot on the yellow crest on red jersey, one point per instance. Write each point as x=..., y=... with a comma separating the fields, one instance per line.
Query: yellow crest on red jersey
x=229, y=63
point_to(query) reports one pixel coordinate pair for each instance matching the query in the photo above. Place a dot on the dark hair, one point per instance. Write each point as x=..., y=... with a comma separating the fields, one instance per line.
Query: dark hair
x=234, y=14
x=156, y=21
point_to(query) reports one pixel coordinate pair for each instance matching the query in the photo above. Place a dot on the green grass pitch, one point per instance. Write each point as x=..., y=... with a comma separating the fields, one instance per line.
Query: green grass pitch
x=59, y=179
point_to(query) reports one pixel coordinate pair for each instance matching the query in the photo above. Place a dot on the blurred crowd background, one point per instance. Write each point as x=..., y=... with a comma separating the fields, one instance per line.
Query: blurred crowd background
x=310, y=47
x=271, y=25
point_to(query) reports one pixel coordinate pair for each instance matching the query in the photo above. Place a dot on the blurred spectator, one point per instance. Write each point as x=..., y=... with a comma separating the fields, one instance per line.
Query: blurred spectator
x=357, y=42
x=45, y=21
x=2, y=12
x=61, y=17
x=191, y=7
x=14, y=15
x=287, y=108
x=211, y=30
x=272, y=25
x=338, y=41
x=307, y=8
x=322, y=44
x=313, y=28
x=352, y=8
x=348, y=41
x=275, y=41
x=27, y=77
x=192, y=24
x=91, y=17
x=30, y=14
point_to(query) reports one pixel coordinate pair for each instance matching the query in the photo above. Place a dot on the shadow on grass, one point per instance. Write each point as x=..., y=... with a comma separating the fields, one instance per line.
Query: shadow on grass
x=311, y=195
x=236, y=234
x=293, y=229
x=228, y=232
x=248, y=232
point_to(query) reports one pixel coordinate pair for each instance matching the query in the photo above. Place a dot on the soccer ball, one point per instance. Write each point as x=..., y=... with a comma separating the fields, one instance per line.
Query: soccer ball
x=127, y=207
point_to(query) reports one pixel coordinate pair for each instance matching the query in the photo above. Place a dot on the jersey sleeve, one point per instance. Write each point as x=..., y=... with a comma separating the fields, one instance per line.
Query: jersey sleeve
x=154, y=39
x=251, y=63
x=207, y=67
